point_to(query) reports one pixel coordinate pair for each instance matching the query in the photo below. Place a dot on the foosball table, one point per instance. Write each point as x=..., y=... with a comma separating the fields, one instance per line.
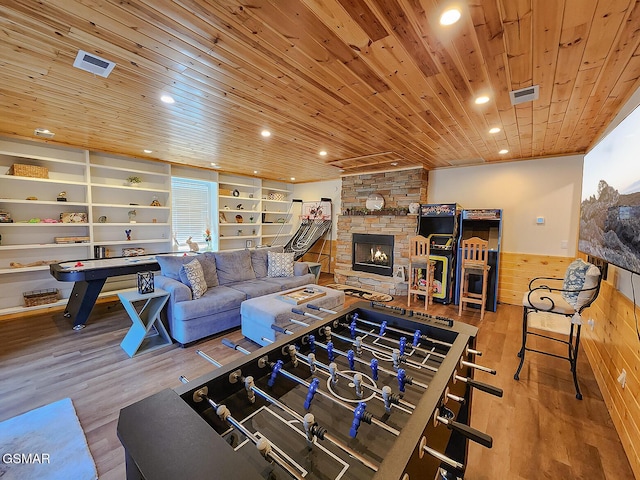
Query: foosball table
x=371, y=392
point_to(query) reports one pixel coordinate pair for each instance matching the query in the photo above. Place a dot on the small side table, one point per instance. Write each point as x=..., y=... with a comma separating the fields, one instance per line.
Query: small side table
x=315, y=269
x=139, y=338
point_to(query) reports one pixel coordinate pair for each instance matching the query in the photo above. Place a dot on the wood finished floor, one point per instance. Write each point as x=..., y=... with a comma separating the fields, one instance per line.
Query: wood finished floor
x=540, y=430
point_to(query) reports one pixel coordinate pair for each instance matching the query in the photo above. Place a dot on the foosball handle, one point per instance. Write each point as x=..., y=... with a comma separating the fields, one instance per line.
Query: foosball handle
x=471, y=433
x=277, y=328
x=228, y=343
x=298, y=311
x=485, y=387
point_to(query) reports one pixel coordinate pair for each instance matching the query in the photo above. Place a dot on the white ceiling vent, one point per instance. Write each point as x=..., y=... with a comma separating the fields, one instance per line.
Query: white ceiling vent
x=43, y=133
x=523, y=95
x=93, y=64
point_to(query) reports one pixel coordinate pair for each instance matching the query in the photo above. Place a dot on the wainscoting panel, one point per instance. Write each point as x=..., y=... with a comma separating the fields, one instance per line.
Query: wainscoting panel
x=612, y=345
x=517, y=270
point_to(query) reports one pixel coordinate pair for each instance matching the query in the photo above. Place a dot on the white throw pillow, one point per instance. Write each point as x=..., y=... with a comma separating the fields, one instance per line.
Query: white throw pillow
x=280, y=264
x=195, y=275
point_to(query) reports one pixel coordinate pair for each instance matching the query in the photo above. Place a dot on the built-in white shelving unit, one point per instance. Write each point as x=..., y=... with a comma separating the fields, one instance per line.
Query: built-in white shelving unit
x=93, y=185
x=250, y=209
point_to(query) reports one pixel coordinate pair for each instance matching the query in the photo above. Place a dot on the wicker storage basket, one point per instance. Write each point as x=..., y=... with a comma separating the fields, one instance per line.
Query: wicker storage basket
x=33, y=171
x=40, y=297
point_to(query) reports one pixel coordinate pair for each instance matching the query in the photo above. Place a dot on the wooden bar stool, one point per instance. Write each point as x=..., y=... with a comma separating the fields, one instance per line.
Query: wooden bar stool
x=418, y=261
x=474, y=261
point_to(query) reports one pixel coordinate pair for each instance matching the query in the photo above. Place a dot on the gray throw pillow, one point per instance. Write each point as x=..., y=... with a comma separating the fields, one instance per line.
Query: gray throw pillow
x=234, y=266
x=170, y=264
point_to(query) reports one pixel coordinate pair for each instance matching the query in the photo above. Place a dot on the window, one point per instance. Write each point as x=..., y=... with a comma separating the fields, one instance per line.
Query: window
x=191, y=211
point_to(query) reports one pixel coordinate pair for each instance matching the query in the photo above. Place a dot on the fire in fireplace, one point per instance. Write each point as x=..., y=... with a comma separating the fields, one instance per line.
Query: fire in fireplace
x=372, y=253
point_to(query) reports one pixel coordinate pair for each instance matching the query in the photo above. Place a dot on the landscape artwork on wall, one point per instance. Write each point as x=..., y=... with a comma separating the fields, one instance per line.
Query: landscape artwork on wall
x=610, y=208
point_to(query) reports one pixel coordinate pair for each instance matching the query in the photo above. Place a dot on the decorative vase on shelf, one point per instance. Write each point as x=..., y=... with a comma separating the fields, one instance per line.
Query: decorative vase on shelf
x=208, y=248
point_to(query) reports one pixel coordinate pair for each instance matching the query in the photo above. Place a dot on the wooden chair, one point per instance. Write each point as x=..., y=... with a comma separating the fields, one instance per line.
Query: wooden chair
x=420, y=270
x=474, y=261
x=566, y=297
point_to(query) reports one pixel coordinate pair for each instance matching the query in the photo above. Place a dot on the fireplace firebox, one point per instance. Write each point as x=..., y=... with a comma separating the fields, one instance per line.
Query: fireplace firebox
x=372, y=253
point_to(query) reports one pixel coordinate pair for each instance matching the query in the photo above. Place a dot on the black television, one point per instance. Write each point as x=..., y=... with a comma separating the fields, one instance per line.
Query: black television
x=610, y=206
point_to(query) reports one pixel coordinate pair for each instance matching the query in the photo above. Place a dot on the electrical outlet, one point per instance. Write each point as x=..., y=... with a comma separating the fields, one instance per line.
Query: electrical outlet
x=592, y=323
x=622, y=378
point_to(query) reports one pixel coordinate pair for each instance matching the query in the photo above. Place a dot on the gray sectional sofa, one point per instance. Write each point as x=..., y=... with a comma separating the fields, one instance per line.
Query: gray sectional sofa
x=231, y=277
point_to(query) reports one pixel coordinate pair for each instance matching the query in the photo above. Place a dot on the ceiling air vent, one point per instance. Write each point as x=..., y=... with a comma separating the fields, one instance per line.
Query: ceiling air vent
x=43, y=133
x=523, y=95
x=93, y=64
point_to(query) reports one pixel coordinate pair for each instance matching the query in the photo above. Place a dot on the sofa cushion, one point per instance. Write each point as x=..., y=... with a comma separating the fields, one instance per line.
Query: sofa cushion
x=255, y=288
x=195, y=278
x=208, y=263
x=285, y=283
x=170, y=264
x=215, y=300
x=234, y=266
x=280, y=264
x=259, y=260
x=170, y=267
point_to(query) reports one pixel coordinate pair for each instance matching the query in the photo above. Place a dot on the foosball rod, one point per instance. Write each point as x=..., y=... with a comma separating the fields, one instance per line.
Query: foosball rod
x=359, y=360
x=263, y=444
x=303, y=420
x=372, y=349
x=301, y=381
x=372, y=333
x=326, y=369
x=405, y=332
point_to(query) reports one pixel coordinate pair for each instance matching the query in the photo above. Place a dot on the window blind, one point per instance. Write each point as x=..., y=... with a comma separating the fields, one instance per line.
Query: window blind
x=191, y=209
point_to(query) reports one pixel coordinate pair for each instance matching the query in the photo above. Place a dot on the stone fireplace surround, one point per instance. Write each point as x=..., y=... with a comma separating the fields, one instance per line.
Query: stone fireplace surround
x=399, y=189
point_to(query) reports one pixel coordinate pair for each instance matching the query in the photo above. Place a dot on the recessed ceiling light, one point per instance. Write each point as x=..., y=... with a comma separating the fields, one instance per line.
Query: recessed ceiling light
x=167, y=99
x=394, y=164
x=494, y=130
x=482, y=99
x=213, y=164
x=322, y=153
x=265, y=133
x=503, y=151
x=293, y=178
x=255, y=171
x=450, y=16
x=148, y=151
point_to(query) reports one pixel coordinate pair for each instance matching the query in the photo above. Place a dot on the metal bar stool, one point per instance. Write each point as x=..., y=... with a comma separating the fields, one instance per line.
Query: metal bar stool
x=580, y=288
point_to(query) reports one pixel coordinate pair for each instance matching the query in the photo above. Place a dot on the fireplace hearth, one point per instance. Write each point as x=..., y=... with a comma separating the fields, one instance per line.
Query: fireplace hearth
x=372, y=253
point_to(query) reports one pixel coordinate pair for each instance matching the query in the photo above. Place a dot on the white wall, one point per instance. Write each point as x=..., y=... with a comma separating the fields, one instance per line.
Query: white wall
x=311, y=192
x=525, y=190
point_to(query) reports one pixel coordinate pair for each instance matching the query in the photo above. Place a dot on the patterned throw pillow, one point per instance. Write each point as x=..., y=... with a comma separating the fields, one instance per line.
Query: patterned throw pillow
x=280, y=264
x=574, y=280
x=195, y=275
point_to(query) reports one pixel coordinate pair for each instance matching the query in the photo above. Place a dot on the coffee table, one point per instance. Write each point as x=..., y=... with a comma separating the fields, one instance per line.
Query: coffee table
x=258, y=314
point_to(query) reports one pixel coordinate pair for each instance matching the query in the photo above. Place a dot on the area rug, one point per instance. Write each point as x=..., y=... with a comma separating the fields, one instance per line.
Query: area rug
x=361, y=293
x=45, y=443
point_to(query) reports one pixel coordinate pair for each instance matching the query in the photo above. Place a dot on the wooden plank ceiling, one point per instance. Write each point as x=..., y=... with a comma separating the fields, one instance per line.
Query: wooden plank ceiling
x=377, y=84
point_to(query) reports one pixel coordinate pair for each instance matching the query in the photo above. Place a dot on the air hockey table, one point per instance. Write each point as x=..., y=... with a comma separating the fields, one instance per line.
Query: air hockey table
x=89, y=276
